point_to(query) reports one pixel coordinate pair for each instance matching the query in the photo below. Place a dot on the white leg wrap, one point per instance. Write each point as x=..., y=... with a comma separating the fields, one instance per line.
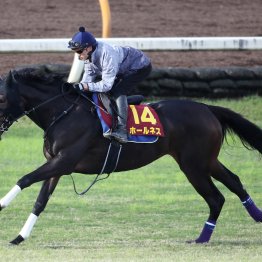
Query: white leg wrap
x=28, y=226
x=5, y=201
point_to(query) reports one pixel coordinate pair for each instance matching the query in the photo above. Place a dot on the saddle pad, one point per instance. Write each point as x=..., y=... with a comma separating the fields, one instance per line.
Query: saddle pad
x=143, y=124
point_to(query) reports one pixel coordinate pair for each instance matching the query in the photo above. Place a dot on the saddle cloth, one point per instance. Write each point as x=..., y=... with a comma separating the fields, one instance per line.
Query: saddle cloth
x=143, y=123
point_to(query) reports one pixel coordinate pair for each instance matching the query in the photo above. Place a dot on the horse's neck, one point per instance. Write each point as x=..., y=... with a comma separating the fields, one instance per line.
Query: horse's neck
x=41, y=103
x=36, y=94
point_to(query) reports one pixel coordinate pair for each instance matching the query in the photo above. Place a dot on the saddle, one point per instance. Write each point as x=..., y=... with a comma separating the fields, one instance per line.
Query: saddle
x=107, y=102
x=143, y=124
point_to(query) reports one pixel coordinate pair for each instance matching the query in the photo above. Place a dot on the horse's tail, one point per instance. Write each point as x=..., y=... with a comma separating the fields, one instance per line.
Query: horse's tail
x=248, y=132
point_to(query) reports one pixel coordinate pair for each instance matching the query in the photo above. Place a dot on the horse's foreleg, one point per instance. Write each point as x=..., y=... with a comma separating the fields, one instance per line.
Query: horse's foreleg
x=233, y=183
x=54, y=168
x=57, y=166
x=46, y=191
x=5, y=201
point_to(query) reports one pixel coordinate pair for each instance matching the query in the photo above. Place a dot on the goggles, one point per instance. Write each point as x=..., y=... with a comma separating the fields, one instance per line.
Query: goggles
x=73, y=44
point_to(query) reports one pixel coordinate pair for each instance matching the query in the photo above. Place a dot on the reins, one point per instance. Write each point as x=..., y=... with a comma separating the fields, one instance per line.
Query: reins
x=8, y=122
x=40, y=105
x=93, y=103
x=108, y=159
x=64, y=113
x=91, y=185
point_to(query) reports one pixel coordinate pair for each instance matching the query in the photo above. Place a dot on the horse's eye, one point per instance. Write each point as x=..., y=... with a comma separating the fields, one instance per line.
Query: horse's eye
x=2, y=99
x=3, y=103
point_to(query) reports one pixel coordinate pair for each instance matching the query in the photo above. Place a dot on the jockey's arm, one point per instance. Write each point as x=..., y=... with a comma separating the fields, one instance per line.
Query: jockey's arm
x=86, y=87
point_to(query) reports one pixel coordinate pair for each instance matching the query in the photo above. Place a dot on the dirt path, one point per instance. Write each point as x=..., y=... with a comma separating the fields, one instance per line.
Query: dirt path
x=136, y=18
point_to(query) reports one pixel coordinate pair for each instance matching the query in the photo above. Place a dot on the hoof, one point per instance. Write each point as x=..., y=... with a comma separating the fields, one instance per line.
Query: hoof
x=17, y=240
x=196, y=242
x=191, y=241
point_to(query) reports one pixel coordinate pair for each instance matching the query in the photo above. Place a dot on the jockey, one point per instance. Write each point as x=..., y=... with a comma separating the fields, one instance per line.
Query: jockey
x=118, y=69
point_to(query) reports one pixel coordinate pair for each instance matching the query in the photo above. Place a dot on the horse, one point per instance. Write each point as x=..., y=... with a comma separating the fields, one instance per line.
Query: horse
x=73, y=141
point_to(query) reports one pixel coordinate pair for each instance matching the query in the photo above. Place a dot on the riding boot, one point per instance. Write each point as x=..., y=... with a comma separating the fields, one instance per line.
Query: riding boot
x=120, y=132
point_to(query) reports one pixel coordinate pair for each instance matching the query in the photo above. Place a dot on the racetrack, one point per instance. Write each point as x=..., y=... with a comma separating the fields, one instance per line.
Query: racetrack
x=142, y=215
x=47, y=19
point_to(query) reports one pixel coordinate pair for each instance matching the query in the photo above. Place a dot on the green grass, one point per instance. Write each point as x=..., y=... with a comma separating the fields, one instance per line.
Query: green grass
x=141, y=215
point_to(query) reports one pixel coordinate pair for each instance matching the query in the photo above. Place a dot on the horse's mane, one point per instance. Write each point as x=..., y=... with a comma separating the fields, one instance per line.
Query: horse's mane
x=46, y=73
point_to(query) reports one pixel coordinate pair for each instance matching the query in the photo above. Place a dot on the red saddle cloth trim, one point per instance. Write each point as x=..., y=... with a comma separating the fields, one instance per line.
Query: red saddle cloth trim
x=142, y=120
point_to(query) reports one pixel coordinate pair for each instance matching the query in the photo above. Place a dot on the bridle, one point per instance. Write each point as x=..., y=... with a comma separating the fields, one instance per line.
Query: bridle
x=10, y=119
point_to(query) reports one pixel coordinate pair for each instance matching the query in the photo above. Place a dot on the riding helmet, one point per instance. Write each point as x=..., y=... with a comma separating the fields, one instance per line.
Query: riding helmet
x=82, y=39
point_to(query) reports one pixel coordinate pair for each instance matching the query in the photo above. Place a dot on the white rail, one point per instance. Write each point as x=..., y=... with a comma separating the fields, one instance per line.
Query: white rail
x=145, y=43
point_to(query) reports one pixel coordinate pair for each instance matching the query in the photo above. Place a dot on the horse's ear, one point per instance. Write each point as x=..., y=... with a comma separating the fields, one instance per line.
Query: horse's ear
x=12, y=94
x=10, y=77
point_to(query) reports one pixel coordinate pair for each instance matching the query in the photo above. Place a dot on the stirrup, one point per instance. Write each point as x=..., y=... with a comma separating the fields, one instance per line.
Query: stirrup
x=120, y=135
x=108, y=134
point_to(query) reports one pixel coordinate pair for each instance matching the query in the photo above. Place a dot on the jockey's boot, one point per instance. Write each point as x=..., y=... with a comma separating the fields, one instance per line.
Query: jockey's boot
x=120, y=132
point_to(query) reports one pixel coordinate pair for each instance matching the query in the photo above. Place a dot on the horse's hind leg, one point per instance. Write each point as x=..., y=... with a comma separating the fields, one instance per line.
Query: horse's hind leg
x=46, y=191
x=201, y=181
x=233, y=183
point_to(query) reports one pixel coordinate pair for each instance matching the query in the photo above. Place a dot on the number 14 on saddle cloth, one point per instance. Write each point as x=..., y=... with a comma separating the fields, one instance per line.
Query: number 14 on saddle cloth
x=143, y=123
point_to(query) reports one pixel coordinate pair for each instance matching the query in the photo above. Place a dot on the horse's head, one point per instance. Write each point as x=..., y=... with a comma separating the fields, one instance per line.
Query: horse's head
x=9, y=102
x=27, y=88
x=3, y=104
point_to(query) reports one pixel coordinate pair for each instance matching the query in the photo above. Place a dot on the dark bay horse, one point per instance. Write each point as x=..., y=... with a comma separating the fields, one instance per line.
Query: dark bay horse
x=73, y=141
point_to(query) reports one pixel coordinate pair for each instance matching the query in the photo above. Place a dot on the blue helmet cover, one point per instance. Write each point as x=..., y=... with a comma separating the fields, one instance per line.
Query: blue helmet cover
x=82, y=39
